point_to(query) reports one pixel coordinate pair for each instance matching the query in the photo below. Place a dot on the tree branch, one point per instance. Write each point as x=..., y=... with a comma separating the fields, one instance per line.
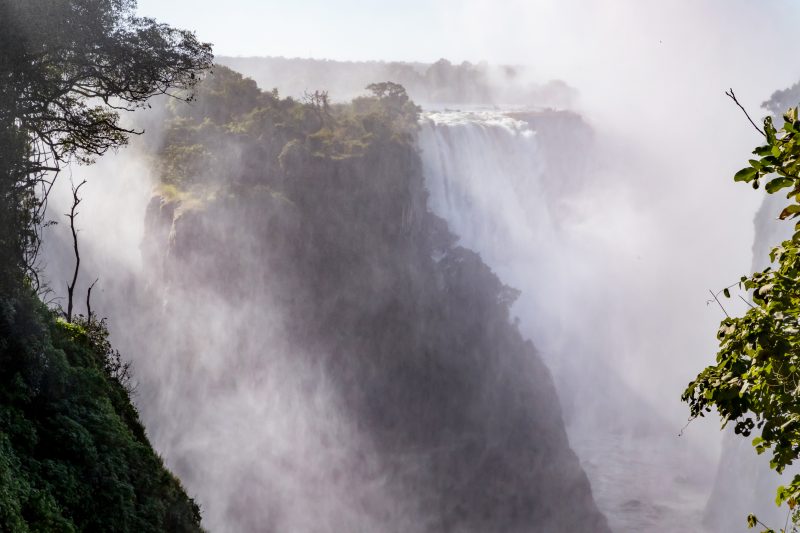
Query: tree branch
x=730, y=94
x=89, y=299
x=76, y=200
x=719, y=303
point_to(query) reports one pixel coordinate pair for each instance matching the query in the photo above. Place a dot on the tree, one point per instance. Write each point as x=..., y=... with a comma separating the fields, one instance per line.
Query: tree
x=755, y=382
x=67, y=70
x=393, y=98
x=73, y=213
x=319, y=102
x=388, y=111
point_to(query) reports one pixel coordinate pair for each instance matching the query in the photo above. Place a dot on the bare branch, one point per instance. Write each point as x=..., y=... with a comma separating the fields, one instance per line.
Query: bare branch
x=76, y=200
x=89, y=299
x=719, y=303
x=748, y=303
x=730, y=94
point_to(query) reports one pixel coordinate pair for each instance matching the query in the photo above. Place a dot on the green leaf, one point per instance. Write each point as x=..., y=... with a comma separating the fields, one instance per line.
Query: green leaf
x=788, y=211
x=762, y=151
x=780, y=495
x=726, y=292
x=746, y=174
x=769, y=130
x=778, y=184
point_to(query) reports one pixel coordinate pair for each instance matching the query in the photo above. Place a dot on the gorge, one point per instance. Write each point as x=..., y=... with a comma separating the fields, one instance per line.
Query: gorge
x=308, y=334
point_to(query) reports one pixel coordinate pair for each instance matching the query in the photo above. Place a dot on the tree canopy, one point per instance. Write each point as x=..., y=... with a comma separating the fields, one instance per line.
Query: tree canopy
x=73, y=454
x=67, y=69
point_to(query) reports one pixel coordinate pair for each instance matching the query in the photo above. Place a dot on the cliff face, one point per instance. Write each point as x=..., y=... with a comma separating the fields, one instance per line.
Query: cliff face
x=345, y=366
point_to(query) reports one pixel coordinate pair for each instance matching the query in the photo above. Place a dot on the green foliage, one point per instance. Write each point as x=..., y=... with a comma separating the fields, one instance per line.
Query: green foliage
x=73, y=453
x=755, y=382
x=67, y=68
x=236, y=133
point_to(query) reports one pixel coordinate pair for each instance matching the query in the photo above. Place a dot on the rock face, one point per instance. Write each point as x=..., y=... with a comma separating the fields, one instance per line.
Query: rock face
x=461, y=414
x=324, y=358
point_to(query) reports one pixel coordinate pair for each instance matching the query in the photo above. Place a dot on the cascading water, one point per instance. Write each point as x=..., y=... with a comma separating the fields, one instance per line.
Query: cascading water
x=517, y=199
x=489, y=176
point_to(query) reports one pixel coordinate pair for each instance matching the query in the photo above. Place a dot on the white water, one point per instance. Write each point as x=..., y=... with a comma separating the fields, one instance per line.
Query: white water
x=530, y=212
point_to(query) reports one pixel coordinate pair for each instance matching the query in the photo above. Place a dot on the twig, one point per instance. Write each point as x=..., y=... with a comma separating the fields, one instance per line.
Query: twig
x=89, y=299
x=718, y=302
x=748, y=303
x=732, y=96
x=786, y=525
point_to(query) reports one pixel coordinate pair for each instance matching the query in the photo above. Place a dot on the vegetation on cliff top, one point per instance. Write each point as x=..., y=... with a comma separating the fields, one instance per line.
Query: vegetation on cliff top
x=234, y=130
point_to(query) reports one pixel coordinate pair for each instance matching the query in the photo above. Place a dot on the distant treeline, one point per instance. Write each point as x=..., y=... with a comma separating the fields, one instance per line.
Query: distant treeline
x=439, y=84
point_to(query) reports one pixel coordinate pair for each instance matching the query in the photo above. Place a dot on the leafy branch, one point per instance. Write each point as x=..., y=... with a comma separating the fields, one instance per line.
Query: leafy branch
x=755, y=383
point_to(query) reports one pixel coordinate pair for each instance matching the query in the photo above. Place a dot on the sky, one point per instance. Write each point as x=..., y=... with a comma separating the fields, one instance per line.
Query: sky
x=345, y=29
x=607, y=48
x=498, y=30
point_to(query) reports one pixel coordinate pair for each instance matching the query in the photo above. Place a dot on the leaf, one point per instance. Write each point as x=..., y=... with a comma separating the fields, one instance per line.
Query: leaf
x=788, y=211
x=778, y=184
x=726, y=292
x=769, y=130
x=751, y=521
x=781, y=495
x=762, y=151
x=746, y=174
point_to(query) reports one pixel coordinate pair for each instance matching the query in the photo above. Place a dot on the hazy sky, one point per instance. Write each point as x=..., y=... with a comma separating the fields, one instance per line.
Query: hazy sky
x=428, y=29
x=344, y=29
x=587, y=42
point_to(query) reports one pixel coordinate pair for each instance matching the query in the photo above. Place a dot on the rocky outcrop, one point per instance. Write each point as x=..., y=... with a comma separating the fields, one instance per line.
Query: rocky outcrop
x=461, y=416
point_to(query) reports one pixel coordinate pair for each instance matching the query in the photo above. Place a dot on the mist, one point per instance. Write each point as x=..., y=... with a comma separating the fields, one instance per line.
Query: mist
x=612, y=211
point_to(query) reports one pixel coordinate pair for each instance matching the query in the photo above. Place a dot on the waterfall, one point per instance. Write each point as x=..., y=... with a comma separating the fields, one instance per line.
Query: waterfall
x=505, y=196
x=515, y=187
x=485, y=173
